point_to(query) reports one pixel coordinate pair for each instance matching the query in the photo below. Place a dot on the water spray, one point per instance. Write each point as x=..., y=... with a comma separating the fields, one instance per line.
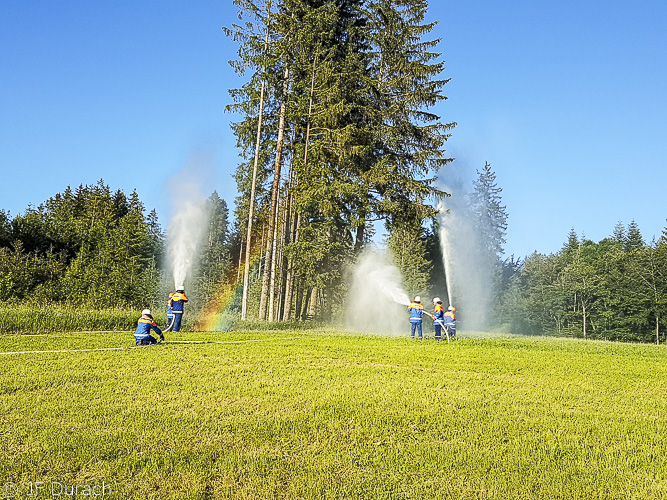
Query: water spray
x=184, y=234
x=445, y=246
x=375, y=282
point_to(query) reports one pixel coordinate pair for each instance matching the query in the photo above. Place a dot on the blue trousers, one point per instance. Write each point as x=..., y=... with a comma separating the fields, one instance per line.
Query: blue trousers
x=147, y=341
x=415, y=325
x=438, y=331
x=177, y=322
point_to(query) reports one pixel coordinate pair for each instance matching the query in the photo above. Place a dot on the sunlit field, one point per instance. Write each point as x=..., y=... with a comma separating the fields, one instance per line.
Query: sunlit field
x=320, y=414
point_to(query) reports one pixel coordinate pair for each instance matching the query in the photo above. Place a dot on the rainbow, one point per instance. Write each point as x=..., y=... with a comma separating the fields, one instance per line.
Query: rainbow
x=216, y=316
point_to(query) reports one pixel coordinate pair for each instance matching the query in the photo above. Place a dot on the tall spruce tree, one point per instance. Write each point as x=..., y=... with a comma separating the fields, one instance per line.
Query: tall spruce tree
x=363, y=145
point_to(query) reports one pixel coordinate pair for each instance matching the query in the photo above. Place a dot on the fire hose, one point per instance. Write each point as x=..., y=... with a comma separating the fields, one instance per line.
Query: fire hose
x=441, y=324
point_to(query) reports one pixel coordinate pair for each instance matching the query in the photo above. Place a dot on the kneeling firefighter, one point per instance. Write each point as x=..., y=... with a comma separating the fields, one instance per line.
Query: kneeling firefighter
x=146, y=323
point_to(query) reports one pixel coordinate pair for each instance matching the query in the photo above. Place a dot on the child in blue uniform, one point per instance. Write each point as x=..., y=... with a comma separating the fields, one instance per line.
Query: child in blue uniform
x=176, y=302
x=450, y=322
x=416, y=310
x=142, y=335
x=438, y=318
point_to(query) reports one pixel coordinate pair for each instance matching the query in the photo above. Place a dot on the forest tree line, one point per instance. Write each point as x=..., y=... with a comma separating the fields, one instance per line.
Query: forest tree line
x=337, y=136
x=615, y=289
x=96, y=248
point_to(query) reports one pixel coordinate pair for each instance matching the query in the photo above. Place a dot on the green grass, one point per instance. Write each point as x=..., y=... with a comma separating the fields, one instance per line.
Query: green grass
x=27, y=319
x=24, y=319
x=315, y=414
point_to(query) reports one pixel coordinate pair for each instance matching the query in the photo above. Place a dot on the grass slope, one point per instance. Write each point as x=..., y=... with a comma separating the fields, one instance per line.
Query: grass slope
x=321, y=415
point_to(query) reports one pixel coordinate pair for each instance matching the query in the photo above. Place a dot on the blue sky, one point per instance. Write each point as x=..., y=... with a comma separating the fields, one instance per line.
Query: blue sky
x=566, y=101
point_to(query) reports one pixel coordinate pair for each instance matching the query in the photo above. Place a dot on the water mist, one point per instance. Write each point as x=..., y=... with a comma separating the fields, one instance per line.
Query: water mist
x=468, y=274
x=186, y=227
x=377, y=301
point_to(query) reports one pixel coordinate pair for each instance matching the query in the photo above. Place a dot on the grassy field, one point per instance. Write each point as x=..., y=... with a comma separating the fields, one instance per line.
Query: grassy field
x=315, y=414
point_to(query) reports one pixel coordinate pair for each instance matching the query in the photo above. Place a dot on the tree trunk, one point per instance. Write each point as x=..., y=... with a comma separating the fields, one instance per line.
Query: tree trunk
x=583, y=311
x=274, y=202
x=274, y=262
x=289, y=285
x=313, y=303
x=297, y=305
x=359, y=238
x=295, y=227
x=246, y=268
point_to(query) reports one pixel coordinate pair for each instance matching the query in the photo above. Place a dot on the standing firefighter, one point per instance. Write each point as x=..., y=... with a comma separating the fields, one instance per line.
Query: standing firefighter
x=142, y=335
x=450, y=321
x=176, y=302
x=416, y=310
x=170, y=314
x=438, y=317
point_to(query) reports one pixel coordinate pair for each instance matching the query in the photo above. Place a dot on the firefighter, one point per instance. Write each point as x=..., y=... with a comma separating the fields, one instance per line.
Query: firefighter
x=416, y=310
x=176, y=302
x=142, y=335
x=170, y=314
x=450, y=321
x=438, y=317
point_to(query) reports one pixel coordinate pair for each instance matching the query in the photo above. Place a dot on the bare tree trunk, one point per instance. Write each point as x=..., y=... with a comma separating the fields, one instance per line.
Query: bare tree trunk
x=290, y=272
x=282, y=259
x=583, y=311
x=313, y=303
x=295, y=227
x=359, y=238
x=297, y=305
x=246, y=268
x=270, y=264
x=261, y=251
x=274, y=261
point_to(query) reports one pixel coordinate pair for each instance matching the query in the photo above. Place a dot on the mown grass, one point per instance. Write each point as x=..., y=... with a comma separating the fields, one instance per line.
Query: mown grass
x=294, y=414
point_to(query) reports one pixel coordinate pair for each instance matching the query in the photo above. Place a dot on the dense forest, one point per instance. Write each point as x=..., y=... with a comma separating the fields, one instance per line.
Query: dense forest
x=84, y=246
x=96, y=248
x=339, y=140
x=615, y=289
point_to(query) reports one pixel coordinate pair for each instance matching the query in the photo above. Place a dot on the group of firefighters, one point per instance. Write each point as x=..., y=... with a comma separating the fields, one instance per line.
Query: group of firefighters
x=441, y=319
x=146, y=323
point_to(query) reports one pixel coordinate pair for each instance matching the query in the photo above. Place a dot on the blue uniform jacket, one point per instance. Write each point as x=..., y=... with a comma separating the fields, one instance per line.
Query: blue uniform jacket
x=416, y=311
x=450, y=319
x=144, y=327
x=177, y=301
x=439, y=314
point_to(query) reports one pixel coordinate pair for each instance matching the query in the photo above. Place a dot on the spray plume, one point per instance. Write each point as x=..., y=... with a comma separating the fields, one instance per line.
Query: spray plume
x=376, y=296
x=186, y=225
x=468, y=275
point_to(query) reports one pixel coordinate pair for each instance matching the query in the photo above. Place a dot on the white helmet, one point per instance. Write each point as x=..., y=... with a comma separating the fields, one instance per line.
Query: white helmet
x=146, y=312
x=451, y=308
x=180, y=287
x=418, y=298
x=436, y=300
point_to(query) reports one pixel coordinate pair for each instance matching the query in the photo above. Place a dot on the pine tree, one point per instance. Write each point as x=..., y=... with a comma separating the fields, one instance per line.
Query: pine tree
x=491, y=216
x=633, y=238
